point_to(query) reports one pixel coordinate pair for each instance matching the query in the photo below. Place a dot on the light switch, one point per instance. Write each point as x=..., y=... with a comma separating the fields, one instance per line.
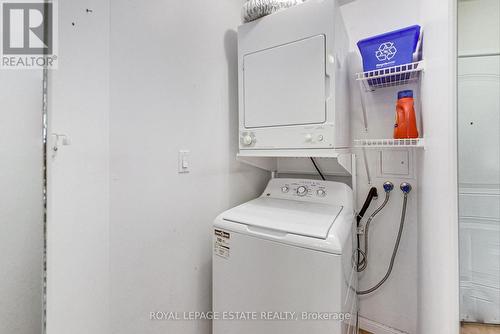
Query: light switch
x=184, y=161
x=394, y=163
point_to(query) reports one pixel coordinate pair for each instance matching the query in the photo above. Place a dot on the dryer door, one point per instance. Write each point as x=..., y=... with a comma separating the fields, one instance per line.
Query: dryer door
x=285, y=85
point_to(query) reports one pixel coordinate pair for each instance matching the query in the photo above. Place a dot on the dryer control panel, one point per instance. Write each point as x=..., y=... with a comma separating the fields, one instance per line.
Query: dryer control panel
x=327, y=192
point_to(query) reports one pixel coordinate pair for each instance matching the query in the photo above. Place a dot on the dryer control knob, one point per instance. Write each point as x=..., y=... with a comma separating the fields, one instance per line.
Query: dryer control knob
x=309, y=138
x=285, y=189
x=301, y=191
x=247, y=140
x=321, y=193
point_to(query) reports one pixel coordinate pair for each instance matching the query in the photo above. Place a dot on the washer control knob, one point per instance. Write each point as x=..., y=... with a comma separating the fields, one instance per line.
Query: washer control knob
x=247, y=140
x=309, y=138
x=285, y=189
x=301, y=191
x=320, y=138
x=321, y=193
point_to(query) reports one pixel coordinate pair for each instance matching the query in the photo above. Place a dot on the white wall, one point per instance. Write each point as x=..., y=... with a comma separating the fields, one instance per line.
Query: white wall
x=478, y=27
x=436, y=233
x=78, y=237
x=173, y=86
x=438, y=221
x=21, y=202
x=395, y=303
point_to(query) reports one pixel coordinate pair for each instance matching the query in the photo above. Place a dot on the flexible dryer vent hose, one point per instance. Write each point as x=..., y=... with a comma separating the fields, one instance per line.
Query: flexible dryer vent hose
x=255, y=9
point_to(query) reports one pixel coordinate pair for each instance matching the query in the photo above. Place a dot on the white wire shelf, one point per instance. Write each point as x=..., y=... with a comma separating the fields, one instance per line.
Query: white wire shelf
x=390, y=76
x=390, y=143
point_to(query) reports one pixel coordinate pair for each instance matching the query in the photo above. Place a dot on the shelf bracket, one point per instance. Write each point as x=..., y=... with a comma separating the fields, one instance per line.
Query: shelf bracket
x=363, y=105
x=367, y=167
x=265, y=163
x=345, y=160
x=339, y=164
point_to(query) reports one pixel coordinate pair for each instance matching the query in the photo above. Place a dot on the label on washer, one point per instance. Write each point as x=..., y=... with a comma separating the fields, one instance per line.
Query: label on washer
x=222, y=245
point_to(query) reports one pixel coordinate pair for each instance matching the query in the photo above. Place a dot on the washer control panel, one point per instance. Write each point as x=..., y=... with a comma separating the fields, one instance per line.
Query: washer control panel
x=304, y=190
x=298, y=189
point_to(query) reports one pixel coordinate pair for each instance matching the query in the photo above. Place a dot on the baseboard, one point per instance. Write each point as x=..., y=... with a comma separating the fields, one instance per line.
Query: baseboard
x=377, y=328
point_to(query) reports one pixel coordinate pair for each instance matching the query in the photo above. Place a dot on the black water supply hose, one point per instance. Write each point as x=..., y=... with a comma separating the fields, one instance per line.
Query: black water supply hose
x=363, y=263
x=372, y=194
x=406, y=189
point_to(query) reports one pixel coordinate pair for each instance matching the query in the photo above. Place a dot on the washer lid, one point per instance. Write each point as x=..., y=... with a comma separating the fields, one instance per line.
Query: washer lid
x=293, y=217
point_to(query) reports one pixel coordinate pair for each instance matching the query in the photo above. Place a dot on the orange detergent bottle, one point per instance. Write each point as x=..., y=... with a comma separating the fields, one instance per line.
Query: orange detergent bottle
x=406, y=121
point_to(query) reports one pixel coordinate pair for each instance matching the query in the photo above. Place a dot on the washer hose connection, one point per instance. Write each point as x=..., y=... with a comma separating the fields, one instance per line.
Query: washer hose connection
x=406, y=189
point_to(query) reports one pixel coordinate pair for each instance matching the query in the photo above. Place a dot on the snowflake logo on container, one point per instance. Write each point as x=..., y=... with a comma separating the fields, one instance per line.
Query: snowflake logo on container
x=386, y=51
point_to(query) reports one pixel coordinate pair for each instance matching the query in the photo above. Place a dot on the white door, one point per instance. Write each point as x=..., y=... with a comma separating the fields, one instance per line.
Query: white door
x=479, y=188
x=78, y=184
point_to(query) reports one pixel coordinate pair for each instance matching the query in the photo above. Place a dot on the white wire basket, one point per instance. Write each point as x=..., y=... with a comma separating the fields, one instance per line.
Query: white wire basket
x=389, y=143
x=390, y=76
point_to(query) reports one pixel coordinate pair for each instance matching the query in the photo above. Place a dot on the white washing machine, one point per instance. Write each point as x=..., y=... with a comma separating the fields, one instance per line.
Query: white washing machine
x=283, y=263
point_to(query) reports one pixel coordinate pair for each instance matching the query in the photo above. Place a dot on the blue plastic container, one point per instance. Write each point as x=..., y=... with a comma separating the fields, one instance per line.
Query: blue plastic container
x=390, y=49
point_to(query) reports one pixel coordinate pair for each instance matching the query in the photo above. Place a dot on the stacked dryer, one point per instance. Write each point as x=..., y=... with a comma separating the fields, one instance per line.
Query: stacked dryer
x=293, y=88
